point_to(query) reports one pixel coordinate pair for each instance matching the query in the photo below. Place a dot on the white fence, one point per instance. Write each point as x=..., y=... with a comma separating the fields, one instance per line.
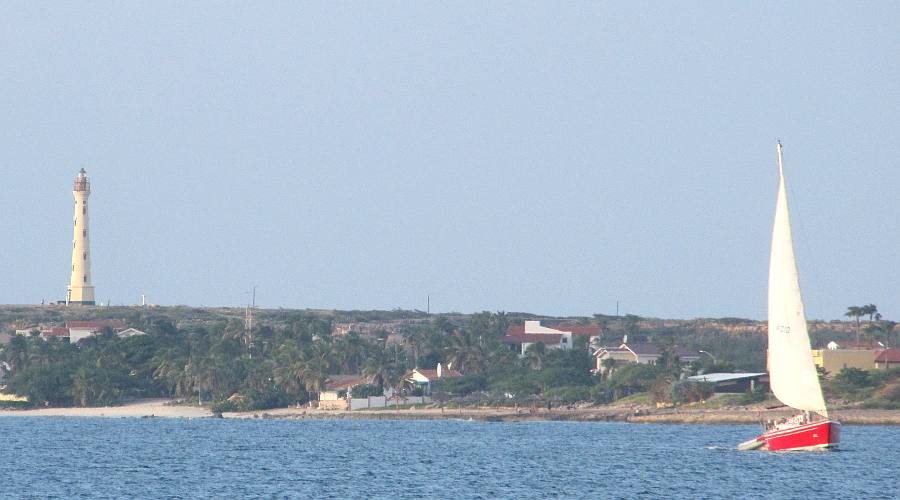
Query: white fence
x=382, y=402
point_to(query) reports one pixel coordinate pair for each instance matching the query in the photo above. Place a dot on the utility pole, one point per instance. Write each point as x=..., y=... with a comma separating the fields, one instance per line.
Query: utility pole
x=248, y=322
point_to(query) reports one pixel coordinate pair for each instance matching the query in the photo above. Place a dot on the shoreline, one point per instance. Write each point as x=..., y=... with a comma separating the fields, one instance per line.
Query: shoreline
x=165, y=409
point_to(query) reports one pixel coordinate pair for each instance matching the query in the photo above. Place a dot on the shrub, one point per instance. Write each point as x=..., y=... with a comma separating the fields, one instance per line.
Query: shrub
x=461, y=385
x=854, y=377
x=757, y=395
x=569, y=393
x=686, y=391
x=223, y=406
x=365, y=391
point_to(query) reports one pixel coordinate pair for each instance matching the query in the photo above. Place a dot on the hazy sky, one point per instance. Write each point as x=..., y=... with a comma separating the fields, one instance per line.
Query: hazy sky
x=545, y=157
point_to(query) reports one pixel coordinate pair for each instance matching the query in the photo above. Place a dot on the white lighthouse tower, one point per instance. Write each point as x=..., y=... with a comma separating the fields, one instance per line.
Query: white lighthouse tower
x=80, y=291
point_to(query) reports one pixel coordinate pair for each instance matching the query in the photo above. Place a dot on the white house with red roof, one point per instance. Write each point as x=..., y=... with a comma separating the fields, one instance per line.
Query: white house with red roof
x=521, y=337
x=77, y=330
x=82, y=329
x=336, y=393
x=425, y=377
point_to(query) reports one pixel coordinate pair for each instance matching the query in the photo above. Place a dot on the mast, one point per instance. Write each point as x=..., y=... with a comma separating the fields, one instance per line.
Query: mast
x=792, y=374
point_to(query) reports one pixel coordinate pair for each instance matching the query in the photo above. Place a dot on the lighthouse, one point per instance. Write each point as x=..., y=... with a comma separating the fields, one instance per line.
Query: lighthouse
x=81, y=291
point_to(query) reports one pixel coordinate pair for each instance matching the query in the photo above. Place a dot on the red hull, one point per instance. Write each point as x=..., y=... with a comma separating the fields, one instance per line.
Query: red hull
x=815, y=435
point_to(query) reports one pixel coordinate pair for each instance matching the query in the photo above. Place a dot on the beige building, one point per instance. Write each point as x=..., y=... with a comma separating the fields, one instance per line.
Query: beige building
x=835, y=360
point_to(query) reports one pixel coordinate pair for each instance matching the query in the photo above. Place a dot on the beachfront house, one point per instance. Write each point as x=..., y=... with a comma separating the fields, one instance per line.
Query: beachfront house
x=336, y=394
x=424, y=378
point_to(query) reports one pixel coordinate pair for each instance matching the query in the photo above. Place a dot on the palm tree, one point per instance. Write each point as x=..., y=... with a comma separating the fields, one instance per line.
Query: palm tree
x=534, y=355
x=855, y=312
x=416, y=340
x=609, y=365
x=870, y=310
x=379, y=367
x=881, y=331
x=315, y=366
x=465, y=351
x=16, y=353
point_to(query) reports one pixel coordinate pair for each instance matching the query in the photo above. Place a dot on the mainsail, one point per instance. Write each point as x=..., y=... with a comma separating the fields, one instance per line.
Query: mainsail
x=792, y=374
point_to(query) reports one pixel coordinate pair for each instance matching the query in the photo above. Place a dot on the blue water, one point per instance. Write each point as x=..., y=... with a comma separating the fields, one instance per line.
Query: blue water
x=103, y=457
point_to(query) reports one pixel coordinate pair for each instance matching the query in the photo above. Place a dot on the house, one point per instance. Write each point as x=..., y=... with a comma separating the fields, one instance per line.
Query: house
x=82, y=329
x=833, y=360
x=520, y=337
x=732, y=382
x=77, y=330
x=641, y=353
x=424, y=378
x=336, y=394
x=130, y=332
x=887, y=358
x=27, y=330
x=57, y=332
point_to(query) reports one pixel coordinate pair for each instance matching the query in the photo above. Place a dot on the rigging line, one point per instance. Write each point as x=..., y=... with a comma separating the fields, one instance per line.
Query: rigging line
x=798, y=222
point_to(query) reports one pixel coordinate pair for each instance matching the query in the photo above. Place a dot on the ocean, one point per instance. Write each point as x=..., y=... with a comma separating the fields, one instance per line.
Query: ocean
x=66, y=457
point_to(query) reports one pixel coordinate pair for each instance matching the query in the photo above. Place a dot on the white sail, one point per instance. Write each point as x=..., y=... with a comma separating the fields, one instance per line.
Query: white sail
x=792, y=374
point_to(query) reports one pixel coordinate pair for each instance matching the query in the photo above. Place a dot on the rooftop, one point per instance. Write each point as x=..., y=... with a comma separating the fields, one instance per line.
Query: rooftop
x=888, y=356
x=723, y=377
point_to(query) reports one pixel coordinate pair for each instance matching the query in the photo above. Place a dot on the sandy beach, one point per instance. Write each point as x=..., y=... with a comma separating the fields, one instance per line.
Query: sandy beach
x=140, y=408
x=165, y=408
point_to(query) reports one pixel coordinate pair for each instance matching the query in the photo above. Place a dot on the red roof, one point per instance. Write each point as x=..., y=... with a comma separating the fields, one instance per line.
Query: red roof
x=339, y=382
x=591, y=330
x=56, y=331
x=888, y=356
x=532, y=338
x=96, y=324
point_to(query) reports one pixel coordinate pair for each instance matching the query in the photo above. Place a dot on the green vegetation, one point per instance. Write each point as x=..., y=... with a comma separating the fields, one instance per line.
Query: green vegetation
x=871, y=389
x=199, y=354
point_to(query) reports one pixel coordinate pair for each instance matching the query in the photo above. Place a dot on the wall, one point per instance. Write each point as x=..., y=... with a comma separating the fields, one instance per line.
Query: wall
x=835, y=360
x=382, y=402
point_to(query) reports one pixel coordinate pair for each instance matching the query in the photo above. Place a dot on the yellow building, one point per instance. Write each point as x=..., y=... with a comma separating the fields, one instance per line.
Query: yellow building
x=80, y=290
x=835, y=360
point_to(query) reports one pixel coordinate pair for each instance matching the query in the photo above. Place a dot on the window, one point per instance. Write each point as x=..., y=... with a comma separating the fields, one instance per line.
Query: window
x=83, y=210
x=85, y=278
x=84, y=255
x=84, y=232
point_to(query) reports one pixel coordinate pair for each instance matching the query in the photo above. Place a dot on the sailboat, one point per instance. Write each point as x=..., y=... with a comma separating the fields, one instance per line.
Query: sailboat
x=792, y=375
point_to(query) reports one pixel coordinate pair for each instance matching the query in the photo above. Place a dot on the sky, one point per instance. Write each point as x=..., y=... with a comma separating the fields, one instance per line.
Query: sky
x=545, y=157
